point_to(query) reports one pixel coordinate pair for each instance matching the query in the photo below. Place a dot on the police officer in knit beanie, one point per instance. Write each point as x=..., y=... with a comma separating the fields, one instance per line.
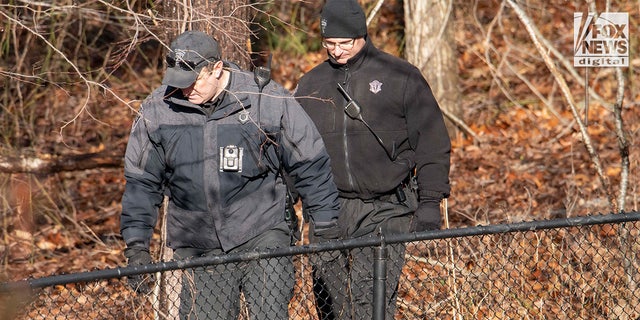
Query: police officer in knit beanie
x=343, y=19
x=377, y=191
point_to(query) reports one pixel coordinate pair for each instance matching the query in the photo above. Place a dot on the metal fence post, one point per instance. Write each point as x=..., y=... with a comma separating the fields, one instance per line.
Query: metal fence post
x=379, y=281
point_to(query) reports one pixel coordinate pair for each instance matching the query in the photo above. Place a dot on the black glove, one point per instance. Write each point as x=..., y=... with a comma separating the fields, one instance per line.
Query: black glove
x=137, y=256
x=325, y=231
x=427, y=216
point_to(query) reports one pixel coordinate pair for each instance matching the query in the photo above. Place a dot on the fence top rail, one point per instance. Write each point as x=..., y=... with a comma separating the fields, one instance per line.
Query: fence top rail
x=380, y=240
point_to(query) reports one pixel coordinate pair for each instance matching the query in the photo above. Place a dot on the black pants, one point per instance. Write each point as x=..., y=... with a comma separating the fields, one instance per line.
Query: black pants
x=343, y=281
x=214, y=292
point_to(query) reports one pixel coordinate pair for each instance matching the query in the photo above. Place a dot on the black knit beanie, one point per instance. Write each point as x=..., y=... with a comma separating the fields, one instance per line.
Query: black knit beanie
x=342, y=19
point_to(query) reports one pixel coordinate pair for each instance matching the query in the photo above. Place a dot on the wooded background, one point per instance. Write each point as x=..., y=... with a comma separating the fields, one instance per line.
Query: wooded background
x=73, y=75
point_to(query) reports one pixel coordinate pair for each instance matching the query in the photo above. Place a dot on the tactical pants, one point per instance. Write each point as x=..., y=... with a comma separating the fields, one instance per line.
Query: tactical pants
x=343, y=281
x=214, y=292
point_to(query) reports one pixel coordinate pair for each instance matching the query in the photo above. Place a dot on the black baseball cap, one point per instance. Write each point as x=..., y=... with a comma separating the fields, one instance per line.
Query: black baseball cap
x=189, y=53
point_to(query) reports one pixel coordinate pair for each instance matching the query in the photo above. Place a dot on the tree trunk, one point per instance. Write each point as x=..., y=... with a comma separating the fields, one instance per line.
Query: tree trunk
x=430, y=45
x=166, y=294
x=228, y=21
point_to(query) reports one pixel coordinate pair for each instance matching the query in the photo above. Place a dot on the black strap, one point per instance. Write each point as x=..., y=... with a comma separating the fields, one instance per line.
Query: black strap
x=354, y=111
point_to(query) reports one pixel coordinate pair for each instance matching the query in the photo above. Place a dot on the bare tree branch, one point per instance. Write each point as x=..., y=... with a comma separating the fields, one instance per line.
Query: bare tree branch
x=373, y=12
x=461, y=124
x=88, y=83
x=586, y=139
x=47, y=164
x=623, y=142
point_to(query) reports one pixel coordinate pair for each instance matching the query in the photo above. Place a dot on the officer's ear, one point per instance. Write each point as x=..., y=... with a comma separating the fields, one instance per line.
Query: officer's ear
x=218, y=68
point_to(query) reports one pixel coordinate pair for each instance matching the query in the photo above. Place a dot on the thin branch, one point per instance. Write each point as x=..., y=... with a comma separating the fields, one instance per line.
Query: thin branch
x=567, y=64
x=460, y=124
x=88, y=83
x=46, y=164
x=595, y=158
x=374, y=12
x=496, y=75
x=536, y=92
x=623, y=142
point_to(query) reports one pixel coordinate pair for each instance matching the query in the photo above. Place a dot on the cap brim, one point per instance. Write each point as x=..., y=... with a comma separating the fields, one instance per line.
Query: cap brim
x=179, y=78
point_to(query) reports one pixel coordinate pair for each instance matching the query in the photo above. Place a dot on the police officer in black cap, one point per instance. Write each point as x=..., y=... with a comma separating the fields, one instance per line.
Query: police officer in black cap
x=216, y=140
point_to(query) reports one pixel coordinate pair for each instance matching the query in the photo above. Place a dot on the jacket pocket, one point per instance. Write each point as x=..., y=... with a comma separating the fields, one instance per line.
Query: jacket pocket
x=244, y=161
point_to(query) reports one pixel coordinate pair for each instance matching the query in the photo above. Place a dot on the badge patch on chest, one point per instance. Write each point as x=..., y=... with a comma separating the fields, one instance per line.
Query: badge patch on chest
x=375, y=86
x=243, y=117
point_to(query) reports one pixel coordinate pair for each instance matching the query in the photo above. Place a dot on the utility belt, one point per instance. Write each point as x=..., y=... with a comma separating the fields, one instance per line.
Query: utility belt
x=399, y=193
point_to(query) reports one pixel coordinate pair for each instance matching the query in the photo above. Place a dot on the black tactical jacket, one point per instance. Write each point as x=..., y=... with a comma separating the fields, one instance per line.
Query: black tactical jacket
x=400, y=108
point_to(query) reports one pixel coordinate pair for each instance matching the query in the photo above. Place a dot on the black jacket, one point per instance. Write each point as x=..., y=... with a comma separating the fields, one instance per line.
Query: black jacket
x=398, y=104
x=176, y=144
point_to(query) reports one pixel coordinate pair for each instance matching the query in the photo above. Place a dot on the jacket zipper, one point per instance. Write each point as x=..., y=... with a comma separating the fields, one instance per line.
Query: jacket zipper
x=345, y=140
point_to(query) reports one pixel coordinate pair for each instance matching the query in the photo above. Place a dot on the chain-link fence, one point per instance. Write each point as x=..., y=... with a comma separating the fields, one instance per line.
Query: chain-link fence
x=574, y=268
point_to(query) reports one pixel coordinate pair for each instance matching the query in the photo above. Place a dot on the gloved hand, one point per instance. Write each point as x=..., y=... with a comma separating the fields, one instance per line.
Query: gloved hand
x=138, y=256
x=427, y=216
x=325, y=231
